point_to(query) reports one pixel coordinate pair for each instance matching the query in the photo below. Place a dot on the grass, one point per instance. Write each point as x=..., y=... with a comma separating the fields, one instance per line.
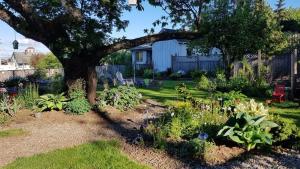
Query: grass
x=101, y=154
x=12, y=132
x=167, y=93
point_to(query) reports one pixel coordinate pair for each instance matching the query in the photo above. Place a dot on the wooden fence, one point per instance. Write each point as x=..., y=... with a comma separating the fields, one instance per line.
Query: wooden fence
x=7, y=74
x=201, y=63
x=105, y=70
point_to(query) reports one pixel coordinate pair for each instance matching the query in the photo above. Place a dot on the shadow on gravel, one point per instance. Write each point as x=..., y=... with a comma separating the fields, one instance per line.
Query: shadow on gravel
x=129, y=134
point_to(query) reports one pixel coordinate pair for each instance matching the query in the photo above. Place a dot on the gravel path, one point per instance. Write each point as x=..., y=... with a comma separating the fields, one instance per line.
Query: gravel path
x=57, y=130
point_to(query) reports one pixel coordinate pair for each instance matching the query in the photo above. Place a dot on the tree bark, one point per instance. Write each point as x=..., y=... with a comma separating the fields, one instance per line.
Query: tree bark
x=81, y=69
x=91, y=84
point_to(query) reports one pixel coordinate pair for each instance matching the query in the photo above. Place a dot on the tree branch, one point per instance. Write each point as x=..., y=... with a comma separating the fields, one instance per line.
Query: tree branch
x=126, y=44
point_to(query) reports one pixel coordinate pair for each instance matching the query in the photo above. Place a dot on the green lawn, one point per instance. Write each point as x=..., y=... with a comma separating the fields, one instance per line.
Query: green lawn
x=168, y=93
x=11, y=132
x=101, y=154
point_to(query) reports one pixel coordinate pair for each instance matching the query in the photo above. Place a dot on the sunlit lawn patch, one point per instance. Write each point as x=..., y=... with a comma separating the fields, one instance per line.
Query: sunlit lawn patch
x=101, y=154
x=12, y=132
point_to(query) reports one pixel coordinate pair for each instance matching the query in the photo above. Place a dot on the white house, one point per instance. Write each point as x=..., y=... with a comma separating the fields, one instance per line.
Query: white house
x=159, y=55
x=18, y=60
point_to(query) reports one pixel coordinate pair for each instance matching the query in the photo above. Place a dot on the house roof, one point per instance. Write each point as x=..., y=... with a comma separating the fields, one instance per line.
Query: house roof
x=22, y=57
x=147, y=46
x=164, y=30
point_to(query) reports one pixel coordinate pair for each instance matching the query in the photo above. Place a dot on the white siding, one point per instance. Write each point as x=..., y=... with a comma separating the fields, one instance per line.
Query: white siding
x=163, y=51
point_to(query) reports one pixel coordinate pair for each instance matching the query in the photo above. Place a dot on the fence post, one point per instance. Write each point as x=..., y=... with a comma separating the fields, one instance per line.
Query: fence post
x=293, y=66
x=259, y=63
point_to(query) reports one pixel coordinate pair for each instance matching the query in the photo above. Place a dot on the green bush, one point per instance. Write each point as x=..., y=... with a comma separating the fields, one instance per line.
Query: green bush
x=8, y=107
x=195, y=74
x=199, y=148
x=206, y=84
x=3, y=118
x=175, y=76
x=14, y=81
x=78, y=103
x=77, y=89
x=122, y=97
x=239, y=83
x=248, y=130
x=77, y=106
x=148, y=73
x=51, y=102
x=285, y=130
x=186, y=122
x=221, y=82
x=231, y=98
x=27, y=96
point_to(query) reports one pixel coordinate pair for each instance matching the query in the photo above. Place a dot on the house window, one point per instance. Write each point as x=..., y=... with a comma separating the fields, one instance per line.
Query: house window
x=139, y=56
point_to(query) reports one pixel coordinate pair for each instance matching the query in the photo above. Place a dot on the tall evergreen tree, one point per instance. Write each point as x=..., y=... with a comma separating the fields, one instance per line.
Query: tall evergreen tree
x=280, y=9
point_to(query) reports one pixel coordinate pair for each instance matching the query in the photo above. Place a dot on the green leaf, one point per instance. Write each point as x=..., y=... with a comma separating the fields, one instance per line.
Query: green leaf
x=222, y=130
x=229, y=132
x=258, y=120
x=236, y=139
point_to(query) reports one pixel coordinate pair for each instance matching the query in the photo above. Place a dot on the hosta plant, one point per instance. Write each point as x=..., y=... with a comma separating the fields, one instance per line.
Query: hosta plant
x=248, y=130
x=51, y=102
x=252, y=108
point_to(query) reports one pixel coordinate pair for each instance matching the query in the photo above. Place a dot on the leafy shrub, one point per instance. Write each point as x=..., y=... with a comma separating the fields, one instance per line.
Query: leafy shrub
x=3, y=118
x=248, y=130
x=57, y=84
x=196, y=74
x=14, y=81
x=77, y=89
x=239, y=83
x=186, y=122
x=221, y=82
x=78, y=103
x=148, y=73
x=8, y=106
x=206, y=84
x=51, y=102
x=122, y=97
x=77, y=106
x=175, y=76
x=186, y=96
x=285, y=130
x=199, y=148
x=231, y=98
x=38, y=75
x=27, y=97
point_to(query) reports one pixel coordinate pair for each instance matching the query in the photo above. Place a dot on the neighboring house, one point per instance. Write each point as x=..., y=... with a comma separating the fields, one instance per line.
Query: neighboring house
x=7, y=64
x=160, y=55
x=22, y=60
x=18, y=60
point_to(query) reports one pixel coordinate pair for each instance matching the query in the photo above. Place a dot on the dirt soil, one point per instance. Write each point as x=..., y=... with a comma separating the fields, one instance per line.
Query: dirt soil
x=55, y=130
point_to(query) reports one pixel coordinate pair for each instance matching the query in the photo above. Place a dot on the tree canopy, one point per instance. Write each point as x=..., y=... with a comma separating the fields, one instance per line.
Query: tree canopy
x=78, y=32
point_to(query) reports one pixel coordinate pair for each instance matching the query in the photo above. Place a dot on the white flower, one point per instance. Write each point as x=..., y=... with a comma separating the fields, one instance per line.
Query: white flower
x=172, y=114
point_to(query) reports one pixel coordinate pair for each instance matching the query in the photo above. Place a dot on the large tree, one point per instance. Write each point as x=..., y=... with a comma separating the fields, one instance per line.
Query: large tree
x=78, y=32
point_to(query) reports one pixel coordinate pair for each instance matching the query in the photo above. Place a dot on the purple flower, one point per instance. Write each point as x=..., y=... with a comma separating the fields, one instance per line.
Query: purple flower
x=203, y=136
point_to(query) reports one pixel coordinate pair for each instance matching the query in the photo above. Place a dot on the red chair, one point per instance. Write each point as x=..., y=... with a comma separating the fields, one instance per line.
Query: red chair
x=279, y=93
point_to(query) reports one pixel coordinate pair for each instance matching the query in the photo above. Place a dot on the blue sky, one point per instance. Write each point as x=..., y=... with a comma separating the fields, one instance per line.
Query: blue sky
x=139, y=20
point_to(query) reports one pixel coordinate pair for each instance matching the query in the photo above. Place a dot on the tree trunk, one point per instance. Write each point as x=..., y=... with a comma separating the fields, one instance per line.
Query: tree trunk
x=227, y=64
x=79, y=69
x=91, y=84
